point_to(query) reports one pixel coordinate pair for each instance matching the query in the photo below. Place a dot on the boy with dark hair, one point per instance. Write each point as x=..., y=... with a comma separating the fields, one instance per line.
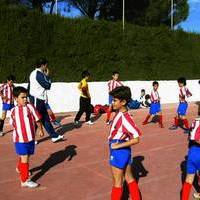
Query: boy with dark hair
x=123, y=134
x=85, y=99
x=6, y=93
x=183, y=105
x=155, y=107
x=23, y=119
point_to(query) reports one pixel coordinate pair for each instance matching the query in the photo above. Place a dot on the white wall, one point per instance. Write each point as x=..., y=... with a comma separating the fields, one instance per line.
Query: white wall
x=64, y=97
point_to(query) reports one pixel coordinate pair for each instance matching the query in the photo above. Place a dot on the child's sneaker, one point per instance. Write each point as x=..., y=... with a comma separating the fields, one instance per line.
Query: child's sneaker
x=89, y=122
x=29, y=184
x=36, y=142
x=76, y=123
x=108, y=122
x=196, y=196
x=56, y=123
x=60, y=137
x=173, y=127
x=1, y=133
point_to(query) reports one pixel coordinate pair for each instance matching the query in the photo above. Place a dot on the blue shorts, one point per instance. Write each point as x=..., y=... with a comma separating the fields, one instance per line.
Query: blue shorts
x=7, y=106
x=193, y=162
x=182, y=108
x=120, y=158
x=25, y=148
x=154, y=108
x=110, y=99
x=47, y=106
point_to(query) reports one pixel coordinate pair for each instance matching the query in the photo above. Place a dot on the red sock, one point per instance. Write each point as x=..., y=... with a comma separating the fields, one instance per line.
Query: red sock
x=147, y=118
x=108, y=115
x=24, y=167
x=186, y=191
x=116, y=193
x=134, y=190
x=52, y=117
x=186, y=123
x=176, y=121
x=161, y=120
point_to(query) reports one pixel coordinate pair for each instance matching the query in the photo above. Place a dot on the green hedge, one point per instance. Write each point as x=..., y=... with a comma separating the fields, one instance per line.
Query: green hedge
x=72, y=45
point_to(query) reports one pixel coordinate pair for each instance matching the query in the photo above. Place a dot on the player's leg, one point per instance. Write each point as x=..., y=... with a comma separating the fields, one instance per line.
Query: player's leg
x=187, y=185
x=2, y=120
x=132, y=184
x=117, y=175
x=88, y=111
x=82, y=108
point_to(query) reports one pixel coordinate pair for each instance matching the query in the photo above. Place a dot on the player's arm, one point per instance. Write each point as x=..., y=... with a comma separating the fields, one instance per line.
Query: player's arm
x=41, y=131
x=125, y=144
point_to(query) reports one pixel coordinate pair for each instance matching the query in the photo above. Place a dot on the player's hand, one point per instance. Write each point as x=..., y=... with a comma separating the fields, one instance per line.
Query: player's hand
x=41, y=133
x=4, y=98
x=46, y=71
x=115, y=145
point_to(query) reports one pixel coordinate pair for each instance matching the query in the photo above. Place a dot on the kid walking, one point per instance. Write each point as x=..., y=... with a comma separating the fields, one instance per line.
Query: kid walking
x=23, y=119
x=123, y=134
x=183, y=105
x=6, y=93
x=85, y=99
x=155, y=108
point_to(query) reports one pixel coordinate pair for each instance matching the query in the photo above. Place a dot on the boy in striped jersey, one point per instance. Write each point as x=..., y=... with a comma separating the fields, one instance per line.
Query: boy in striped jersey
x=123, y=134
x=112, y=84
x=23, y=119
x=155, y=108
x=183, y=105
x=6, y=93
x=193, y=161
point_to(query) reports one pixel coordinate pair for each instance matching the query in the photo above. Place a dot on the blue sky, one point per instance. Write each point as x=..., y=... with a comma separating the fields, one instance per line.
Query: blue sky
x=192, y=23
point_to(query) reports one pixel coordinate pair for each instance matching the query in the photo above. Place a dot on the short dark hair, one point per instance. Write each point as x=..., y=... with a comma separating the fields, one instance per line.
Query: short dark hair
x=10, y=78
x=155, y=83
x=121, y=93
x=182, y=80
x=18, y=90
x=115, y=72
x=85, y=73
x=40, y=62
x=147, y=96
x=142, y=90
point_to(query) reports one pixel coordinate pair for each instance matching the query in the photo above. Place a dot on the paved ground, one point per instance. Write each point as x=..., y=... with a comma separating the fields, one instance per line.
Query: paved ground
x=77, y=168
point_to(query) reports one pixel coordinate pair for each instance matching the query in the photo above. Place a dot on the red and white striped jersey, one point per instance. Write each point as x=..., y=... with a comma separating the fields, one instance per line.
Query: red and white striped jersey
x=183, y=93
x=123, y=127
x=195, y=133
x=23, y=120
x=6, y=90
x=112, y=84
x=155, y=96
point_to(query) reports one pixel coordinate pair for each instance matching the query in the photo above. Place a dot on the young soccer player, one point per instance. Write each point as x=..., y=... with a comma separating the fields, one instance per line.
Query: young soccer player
x=85, y=99
x=23, y=119
x=112, y=84
x=123, y=134
x=155, y=108
x=6, y=93
x=193, y=162
x=183, y=105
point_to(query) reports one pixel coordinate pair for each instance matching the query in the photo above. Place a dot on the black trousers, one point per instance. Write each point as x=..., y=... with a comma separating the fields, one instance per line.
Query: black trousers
x=85, y=106
x=41, y=108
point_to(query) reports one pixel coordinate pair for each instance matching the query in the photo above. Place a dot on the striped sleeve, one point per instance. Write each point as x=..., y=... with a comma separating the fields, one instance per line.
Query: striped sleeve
x=35, y=113
x=131, y=127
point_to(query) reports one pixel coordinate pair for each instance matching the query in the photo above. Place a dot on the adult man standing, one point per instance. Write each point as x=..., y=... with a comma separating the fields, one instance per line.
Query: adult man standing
x=39, y=82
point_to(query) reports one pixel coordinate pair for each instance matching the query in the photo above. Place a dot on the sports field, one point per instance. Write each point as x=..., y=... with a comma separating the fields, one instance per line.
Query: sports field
x=77, y=168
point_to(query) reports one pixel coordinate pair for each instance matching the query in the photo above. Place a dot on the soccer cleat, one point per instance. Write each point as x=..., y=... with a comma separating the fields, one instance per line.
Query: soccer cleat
x=173, y=127
x=36, y=142
x=161, y=125
x=56, y=123
x=60, y=137
x=196, y=196
x=29, y=184
x=76, y=123
x=89, y=122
